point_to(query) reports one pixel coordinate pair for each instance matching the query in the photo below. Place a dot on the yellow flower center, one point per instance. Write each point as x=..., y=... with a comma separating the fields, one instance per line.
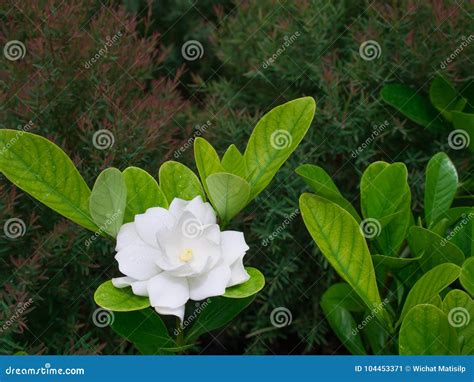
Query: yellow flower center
x=186, y=255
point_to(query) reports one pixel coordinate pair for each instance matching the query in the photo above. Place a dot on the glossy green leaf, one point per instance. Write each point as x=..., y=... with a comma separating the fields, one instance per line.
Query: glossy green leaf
x=441, y=184
x=433, y=248
x=426, y=331
x=467, y=275
x=273, y=140
x=233, y=162
x=464, y=130
x=339, y=238
x=321, y=183
x=146, y=330
x=178, y=181
x=218, y=312
x=412, y=105
x=143, y=192
x=228, y=193
x=459, y=307
x=119, y=299
x=444, y=97
x=337, y=303
x=392, y=263
x=376, y=336
x=108, y=200
x=462, y=233
x=254, y=285
x=429, y=285
x=44, y=171
x=386, y=197
x=207, y=160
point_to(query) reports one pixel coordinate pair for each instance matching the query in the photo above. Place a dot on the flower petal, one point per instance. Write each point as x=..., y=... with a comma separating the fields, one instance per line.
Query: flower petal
x=167, y=291
x=238, y=273
x=122, y=282
x=152, y=221
x=140, y=288
x=233, y=246
x=128, y=236
x=177, y=207
x=212, y=283
x=178, y=312
x=138, y=261
x=202, y=211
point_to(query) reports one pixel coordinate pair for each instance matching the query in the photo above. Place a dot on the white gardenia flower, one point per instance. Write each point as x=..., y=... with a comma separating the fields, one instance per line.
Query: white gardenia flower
x=176, y=254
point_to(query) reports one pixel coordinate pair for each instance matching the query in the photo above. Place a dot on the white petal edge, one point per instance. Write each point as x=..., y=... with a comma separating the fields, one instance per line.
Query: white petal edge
x=238, y=273
x=178, y=312
x=128, y=236
x=166, y=291
x=213, y=283
x=233, y=246
x=153, y=220
x=139, y=288
x=203, y=211
x=138, y=261
x=122, y=282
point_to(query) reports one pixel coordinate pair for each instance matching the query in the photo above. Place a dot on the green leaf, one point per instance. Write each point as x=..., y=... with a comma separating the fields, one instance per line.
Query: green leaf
x=252, y=286
x=426, y=331
x=440, y=187
x=218, y=312
x=467, y=275
x=273, y=140
x=44, y=171
x=228, y=193
x=146, y=330
x=464, y=130
x=392, y=263
x=321, y=183
x=429, y=285
x=445, y=98
x=462, y=234
x=207, y=160
x=143, y=192
x=337, y=303
x=119, y=299
x=339, y=238
x=233, y=162
x=108, y=200
x=412, y=105
x=433, y=248
x=376, y=335
x=178, y=181
x=459, y=308
x=386, y=197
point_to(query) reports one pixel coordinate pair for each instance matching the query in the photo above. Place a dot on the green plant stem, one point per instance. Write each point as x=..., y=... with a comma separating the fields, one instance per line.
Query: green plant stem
x=180, y=336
